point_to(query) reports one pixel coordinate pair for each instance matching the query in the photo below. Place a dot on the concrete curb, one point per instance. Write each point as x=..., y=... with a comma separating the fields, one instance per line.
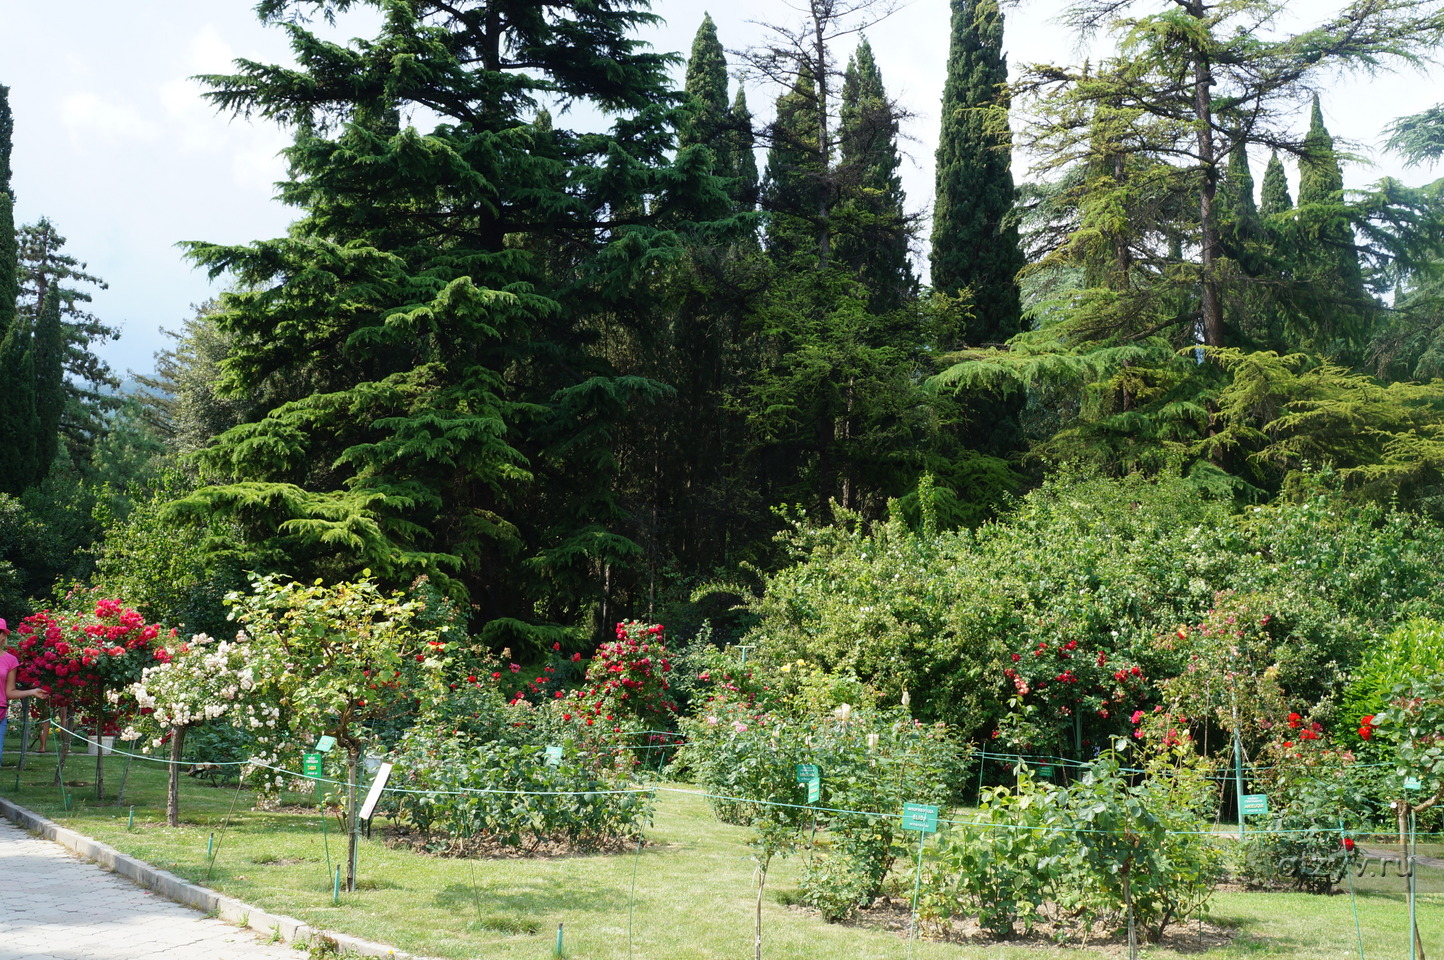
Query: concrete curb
x=172, y=887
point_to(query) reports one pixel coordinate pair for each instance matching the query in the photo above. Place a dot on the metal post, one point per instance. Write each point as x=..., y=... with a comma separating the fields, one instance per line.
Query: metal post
x=1238, y=770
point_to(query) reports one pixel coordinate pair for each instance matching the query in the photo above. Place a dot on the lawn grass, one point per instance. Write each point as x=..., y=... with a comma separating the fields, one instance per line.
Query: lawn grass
x=694, y=888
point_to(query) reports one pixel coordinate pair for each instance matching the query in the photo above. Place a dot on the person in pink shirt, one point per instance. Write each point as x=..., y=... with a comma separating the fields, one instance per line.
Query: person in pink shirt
x=9, y=666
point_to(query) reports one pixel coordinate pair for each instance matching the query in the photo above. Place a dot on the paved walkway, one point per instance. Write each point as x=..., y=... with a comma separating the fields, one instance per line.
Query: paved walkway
x=55, y=906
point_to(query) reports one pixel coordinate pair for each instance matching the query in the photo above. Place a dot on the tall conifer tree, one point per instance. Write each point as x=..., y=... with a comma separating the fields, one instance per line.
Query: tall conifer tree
x=796, y=182
x=869, y=222
x=1274, y=198
x=432, y=323
x=1327, y=258
x=49, y=362
x=709, y=116
x=974, y=242
x=743, y=152
x=9, y=255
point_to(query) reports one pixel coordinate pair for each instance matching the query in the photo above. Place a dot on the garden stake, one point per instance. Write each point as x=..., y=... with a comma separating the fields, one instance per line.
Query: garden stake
x=632, y=899
x=917, y=888
x=1353, y=899
x=326, y=842
x=336, y=887
x=475, y=894
x=559, y=939
x=131, y=824
x=1415, y=947
x=24, y=745
x=225, y=824
x=211, y=847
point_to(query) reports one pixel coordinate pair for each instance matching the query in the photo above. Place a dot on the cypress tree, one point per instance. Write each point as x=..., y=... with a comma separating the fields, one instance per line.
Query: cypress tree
x=17, y=414
x=706, y=89
x=868, y=219
x=743, y=152
x=49, y=363
x=795, y=181
x=974, y=243
x=1327, y=260
x=9, y=254
x=1274, y=199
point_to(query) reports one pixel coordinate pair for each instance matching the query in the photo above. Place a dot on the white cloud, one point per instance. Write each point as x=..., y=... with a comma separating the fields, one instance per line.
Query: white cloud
x=95, y=120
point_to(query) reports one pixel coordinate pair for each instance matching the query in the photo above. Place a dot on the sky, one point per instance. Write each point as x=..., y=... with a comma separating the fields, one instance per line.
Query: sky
x=115, y=145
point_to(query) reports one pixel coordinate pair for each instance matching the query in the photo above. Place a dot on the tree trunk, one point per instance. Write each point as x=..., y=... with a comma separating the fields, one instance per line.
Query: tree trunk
x=353, y=834
x=761, y=882
x=1211, y=306
x=172, y=793
x=821, y=14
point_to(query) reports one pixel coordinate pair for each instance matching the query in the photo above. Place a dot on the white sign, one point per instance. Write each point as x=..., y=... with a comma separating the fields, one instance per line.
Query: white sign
x=373, y=796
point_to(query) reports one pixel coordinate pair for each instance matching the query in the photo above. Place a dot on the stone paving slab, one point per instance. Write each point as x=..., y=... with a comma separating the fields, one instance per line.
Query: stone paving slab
x=60, y=907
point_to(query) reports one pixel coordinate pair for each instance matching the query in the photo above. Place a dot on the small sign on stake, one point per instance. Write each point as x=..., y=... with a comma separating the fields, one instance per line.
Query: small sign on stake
x=814, y=791
x=324, y=744
x=807, y=771
x=922, y=817
x=1412, y=783
x=1254, y=804
x=311, y=765
x=554, y=756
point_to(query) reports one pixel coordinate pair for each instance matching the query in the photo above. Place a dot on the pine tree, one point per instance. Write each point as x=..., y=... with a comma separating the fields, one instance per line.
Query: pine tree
x=1274, y=198
x=89, y=386
x=1183, y=69
x=441, y=326
x=869, y=222
x=974, y=242
x=1327, y=260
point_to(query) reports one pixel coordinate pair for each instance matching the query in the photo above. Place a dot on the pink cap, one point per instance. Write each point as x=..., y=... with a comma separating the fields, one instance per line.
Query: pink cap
x=4, y=627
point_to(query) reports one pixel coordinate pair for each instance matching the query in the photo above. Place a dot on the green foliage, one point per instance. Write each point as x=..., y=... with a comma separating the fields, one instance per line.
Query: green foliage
x=502, y=789
x=1112, y=565
x=1410, y=650
x=1316, y=793
x=975, y=241
x=433, y=340
x=159, y=565
x=1004, y=864
x=1110, y=847
x=868, y=221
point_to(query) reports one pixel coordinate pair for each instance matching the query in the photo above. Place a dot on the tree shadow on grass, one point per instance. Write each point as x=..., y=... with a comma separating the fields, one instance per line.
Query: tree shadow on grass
x=575, y=895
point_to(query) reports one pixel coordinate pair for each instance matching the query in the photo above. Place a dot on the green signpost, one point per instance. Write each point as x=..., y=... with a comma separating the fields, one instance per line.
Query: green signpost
x=311, y=765
x=922, y=817
x=1254, y=804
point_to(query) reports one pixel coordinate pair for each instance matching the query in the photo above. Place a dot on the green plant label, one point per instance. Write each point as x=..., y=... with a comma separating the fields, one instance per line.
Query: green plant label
x=1412, y=783
x=807, y=771
x=324, y=744
x=814, y=791
x=1045, y=772
x=311, y=765
x=554, y=756
x=922, y=817
x=1254, y=804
